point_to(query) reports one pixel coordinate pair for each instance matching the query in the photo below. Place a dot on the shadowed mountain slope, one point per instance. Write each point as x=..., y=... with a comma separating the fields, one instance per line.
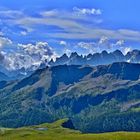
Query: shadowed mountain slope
x=97, y=99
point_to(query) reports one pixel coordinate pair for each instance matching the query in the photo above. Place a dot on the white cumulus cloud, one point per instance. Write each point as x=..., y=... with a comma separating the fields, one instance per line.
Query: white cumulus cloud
x=40, y=51
x=50, y=13
x=86, y=11
x=4, y=42
x=64, y=43
x=89, y=46
x=24, y=33
x=12, y=14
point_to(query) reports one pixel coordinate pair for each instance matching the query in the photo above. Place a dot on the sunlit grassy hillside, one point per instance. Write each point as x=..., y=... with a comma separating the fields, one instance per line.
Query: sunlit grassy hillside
x=55, y=131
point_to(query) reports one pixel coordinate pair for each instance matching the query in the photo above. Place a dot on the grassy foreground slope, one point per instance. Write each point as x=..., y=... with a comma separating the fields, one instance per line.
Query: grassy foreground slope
x=55, y=131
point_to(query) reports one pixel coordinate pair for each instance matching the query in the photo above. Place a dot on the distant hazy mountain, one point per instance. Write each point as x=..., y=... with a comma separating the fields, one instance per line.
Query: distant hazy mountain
x=14, y=74
x=97, y=99
x=3, y=77
x=98, y=58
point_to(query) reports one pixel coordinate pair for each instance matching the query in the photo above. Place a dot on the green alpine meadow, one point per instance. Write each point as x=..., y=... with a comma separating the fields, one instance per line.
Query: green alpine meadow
x=55, y=131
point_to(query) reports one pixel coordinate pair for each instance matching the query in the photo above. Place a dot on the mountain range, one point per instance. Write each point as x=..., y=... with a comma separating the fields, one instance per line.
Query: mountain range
x=102, y=98
x=95, y=59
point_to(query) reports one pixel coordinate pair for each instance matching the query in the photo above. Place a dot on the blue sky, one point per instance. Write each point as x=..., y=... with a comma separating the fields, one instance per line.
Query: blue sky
x=85, y=26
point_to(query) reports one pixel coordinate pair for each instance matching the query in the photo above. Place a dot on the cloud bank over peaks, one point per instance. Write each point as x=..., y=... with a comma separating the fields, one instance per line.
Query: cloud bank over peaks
x=28, y=56
x=32, y=55
x=104, y=43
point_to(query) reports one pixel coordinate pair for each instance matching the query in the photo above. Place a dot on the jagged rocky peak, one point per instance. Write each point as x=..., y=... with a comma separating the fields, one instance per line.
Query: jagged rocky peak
x=64, y=55
x=118, y=52
x=74, y=54
x=51, y=60
x=133, y=56
x=88, y=56
x=133, y=53
x=98, y=58
x=104, y=52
